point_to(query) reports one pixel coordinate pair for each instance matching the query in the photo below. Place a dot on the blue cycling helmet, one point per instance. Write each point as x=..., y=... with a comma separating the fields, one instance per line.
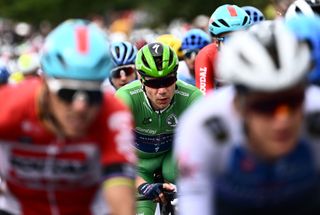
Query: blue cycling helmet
x=77, y=49
x=307, y=28
x=4, y=75
x=195, y=39
x=255, y=14
x=227, y=18
x=123, y=53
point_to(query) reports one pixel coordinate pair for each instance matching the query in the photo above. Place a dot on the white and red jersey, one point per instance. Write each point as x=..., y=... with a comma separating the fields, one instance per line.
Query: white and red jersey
x=220, y=175
x=49, y=175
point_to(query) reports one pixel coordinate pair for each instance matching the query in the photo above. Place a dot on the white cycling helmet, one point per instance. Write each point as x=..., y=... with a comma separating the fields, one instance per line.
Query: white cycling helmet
x=267, y=58
x=305, y=7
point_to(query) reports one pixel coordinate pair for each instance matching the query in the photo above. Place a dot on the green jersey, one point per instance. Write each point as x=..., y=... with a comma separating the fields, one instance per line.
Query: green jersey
x=154, y=129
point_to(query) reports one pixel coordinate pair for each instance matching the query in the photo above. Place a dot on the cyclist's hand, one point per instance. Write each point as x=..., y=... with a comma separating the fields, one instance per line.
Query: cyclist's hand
x=166, y=187
x=150, y=191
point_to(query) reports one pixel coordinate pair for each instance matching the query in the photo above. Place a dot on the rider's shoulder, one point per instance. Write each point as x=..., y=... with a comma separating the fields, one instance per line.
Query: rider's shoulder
x=215, y=102
x=132, y=88
x=207, y=50
x=214, y=112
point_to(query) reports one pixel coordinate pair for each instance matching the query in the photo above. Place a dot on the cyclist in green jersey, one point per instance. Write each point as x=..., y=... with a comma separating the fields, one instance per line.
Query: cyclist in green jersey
x=157, y=100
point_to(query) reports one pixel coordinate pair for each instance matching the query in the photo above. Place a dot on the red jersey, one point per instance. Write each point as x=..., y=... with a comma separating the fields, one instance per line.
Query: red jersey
x=204, y=67
x=48, y=175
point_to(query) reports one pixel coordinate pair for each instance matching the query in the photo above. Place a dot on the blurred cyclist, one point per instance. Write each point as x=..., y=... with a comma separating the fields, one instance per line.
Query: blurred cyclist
x=4, y=75
x=243, y=149
x=61, y=138
x=192, y=42
x=255, y=14
x=156, y=100
x=28, y=64
x=303, y=7
x=307, y=28
x=173, y=42
x=225, y=19
x=123, y=55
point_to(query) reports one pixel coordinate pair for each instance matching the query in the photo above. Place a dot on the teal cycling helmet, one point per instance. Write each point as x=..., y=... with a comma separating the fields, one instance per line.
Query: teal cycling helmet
x=227, y=18
x=156, y=60
x=76, y=49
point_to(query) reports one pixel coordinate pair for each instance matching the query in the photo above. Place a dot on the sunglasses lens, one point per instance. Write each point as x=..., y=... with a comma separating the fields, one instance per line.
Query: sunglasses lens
x=269, y=107
x=189, y=54
x=160, y=82
x=68, y=95
x=120, y=71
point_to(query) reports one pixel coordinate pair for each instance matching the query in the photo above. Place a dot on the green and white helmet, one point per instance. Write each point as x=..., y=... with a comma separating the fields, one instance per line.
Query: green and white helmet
x=156, y=60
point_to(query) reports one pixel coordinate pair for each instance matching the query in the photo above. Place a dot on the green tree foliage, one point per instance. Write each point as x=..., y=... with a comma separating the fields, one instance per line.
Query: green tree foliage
x=34, y=11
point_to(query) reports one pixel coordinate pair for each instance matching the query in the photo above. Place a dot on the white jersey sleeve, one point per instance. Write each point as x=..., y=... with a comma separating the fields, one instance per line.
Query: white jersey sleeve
x=197, y=153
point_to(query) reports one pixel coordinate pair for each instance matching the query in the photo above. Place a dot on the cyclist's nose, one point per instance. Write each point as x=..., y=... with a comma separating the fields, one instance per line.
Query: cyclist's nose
x=80, y=102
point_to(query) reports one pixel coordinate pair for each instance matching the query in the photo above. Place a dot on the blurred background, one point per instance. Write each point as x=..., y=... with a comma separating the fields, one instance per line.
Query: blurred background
x=25, y=23
x=119, y=15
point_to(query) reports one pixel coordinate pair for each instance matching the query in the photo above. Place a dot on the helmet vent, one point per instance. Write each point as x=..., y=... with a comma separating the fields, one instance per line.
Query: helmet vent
x=61, y=60
x=245, y=20
x=117, y=51
x=125, y=50
x=223, y=22
x=273, y=52
x=171, y=57
x=298, y=10
x=158, y=61
x=244, y=58
x=145, y=62
x=131, y=52
x=215, y=24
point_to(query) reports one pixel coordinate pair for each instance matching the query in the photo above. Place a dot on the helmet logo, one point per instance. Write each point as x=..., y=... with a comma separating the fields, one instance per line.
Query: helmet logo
x=232, y=11
x=82, y=40
x=155, y=48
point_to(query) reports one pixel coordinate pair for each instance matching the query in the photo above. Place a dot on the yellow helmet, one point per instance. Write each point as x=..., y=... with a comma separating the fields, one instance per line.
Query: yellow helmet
x=172, y=41
x=16, y=77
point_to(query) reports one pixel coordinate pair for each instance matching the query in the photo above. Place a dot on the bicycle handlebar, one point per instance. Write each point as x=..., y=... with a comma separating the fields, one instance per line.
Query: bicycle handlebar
x=169, y=196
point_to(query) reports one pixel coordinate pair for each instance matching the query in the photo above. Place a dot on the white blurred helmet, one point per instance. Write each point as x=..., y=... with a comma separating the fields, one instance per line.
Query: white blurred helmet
x=304, y=7
x=267, y=58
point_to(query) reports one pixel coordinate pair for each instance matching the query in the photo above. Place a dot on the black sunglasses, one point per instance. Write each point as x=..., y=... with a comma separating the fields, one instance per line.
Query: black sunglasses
x=122, y=70
x=69, y=95
x=190, y=53
x=269, y=107
x=69, y=90
x=160, y=82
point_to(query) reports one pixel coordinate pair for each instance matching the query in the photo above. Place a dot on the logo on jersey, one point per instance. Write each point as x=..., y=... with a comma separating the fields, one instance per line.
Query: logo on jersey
x=147, y=120
x=203, y=79
x=217, y=128
x=172, y=120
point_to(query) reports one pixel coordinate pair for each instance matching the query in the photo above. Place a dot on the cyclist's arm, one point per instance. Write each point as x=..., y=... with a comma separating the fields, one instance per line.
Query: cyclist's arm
x=204, y=69
x=194, y=152
x=119, y=193
x=203, y=73
x=194, y=96
x=118, y=160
